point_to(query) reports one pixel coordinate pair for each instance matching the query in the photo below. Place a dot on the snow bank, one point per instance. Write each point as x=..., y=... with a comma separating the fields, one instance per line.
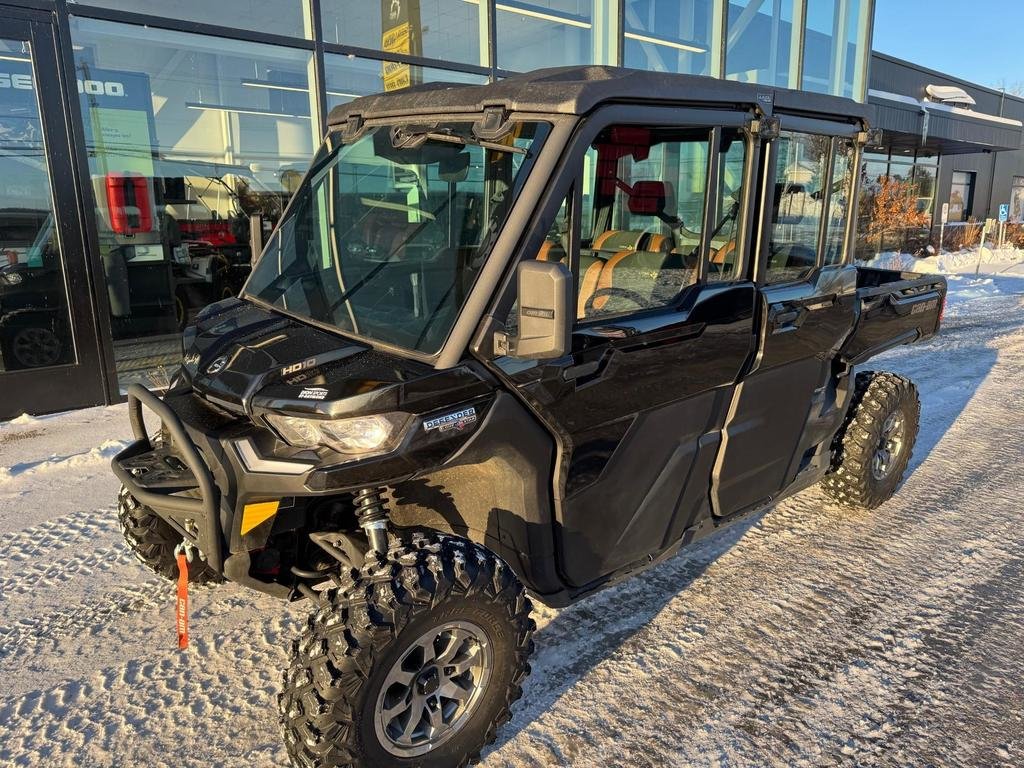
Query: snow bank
x=104, y=452
x=988, y=261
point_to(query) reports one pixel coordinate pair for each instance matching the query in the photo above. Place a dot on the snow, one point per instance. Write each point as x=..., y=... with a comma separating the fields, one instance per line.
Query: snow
x=812, y=635
x=994, y=261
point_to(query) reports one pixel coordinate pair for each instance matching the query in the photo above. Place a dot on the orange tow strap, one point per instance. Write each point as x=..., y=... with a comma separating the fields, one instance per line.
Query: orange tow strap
x=182, y=606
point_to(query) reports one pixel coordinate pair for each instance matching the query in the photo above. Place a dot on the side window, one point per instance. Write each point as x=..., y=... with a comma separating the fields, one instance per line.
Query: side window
x=839, y=199
x=732, y=158
x=556, y=242
x=643, y=199
x=801, y=164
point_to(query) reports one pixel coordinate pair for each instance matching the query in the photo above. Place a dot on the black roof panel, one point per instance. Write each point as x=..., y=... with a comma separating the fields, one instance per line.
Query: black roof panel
x=578, y=90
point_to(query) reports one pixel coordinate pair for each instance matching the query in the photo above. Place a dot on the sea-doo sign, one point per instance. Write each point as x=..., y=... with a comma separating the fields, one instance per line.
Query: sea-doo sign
x=22, y=81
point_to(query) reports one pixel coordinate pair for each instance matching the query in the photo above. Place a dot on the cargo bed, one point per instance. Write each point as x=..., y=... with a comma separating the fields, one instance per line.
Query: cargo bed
x=893, y=308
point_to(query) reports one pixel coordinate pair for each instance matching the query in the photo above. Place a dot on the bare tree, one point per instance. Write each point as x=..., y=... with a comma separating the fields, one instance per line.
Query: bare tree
x=1015, y=88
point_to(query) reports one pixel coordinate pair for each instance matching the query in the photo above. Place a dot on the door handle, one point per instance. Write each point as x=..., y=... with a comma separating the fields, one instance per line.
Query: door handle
x=786, y=316
x=579, y=371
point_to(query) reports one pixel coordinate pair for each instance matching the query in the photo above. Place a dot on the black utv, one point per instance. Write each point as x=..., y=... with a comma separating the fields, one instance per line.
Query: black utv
x=523, y=338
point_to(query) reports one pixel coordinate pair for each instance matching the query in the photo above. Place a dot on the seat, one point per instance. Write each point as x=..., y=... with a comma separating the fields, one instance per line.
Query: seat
x=656, y=277
x=551, y=250
x=615, y=240
x=590, y=273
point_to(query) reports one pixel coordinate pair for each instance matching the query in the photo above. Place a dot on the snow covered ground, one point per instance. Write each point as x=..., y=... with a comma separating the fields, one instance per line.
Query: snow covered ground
x=813, y=635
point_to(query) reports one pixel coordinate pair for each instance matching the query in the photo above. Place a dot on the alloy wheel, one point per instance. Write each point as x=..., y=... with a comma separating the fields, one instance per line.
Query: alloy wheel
x=433, y=688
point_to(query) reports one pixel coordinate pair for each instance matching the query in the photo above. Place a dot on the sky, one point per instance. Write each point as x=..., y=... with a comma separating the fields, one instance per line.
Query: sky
x=981, y=41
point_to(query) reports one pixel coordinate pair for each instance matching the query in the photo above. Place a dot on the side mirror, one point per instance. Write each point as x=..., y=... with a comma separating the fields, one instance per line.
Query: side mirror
x=544, y=314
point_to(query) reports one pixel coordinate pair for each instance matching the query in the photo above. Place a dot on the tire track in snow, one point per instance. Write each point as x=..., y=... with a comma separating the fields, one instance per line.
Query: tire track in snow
x=28, y=636
x=44, y=572
x=78, y=528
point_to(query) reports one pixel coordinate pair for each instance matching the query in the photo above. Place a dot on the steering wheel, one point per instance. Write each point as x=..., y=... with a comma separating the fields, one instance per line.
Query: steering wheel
x=622, y=293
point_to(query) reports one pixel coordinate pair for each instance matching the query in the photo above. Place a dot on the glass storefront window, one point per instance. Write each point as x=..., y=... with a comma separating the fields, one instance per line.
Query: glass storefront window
x=831, y=49
x=544, y=33
x=195, y=144
x=282, y=17
x=1017, y=200
x=961, y=195
x=348, y=77
x=924, y=186
x=35, y=331
x=668, y=35
x=758, y=41
x=448, y=30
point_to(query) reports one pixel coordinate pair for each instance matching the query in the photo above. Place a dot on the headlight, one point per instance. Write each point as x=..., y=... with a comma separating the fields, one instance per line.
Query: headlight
x=10, y=278
x=361, y=436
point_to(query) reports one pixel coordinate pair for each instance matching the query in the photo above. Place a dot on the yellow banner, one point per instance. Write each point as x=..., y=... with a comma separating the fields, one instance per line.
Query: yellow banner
x=399, y=78
x=396, y=39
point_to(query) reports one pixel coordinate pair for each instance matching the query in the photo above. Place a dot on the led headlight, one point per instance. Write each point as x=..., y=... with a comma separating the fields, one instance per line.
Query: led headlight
x=361, y=436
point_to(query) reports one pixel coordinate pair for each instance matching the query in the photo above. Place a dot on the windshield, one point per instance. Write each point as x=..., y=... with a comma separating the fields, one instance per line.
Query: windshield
x=386, y=234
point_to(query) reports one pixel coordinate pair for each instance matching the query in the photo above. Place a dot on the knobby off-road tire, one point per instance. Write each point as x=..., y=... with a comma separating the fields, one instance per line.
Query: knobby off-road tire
x=152, y=541
x=871, y=452
x=341, y=678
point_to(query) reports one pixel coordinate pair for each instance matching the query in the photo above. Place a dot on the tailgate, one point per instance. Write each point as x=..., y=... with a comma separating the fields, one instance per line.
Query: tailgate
x=893, y=308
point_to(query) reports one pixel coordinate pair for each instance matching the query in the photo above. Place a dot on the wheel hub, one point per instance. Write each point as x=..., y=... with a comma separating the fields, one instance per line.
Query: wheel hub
x=890, y=446
x=433, y=688
x=429, y=682
x=36, y=347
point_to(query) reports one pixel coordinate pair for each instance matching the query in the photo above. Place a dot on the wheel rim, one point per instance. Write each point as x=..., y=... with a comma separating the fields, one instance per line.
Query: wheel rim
x=890, y=446
x=36, y=347
x=433, y=689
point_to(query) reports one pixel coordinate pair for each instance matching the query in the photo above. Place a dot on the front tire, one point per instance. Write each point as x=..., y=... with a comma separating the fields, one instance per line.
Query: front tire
x=416, y=663
x=871, y=452
x=153, y=541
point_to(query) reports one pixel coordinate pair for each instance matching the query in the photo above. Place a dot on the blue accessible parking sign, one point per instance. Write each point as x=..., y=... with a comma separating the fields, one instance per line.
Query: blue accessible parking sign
x=1004, y=213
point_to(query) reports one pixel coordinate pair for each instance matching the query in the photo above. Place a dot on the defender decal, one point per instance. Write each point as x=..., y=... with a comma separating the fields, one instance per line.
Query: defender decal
x=458, y=420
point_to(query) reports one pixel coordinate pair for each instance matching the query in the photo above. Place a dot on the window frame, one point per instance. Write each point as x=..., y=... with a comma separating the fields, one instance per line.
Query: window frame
x=715, y=120
x=835, y=132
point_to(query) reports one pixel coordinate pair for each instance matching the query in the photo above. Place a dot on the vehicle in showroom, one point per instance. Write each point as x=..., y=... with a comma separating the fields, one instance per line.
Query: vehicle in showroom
x=518, y=342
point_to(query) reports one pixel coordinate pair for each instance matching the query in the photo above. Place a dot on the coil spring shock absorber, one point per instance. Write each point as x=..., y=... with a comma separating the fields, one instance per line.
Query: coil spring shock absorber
x=372, y=514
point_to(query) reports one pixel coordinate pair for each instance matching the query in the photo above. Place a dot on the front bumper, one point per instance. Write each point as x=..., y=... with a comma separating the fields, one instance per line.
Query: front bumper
x=173, y=480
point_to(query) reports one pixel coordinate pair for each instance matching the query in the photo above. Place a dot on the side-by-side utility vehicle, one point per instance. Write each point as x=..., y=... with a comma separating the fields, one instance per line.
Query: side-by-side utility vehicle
x=523, y=338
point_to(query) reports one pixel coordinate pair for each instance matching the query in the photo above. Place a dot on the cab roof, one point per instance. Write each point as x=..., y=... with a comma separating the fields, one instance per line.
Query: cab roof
x=578, y=90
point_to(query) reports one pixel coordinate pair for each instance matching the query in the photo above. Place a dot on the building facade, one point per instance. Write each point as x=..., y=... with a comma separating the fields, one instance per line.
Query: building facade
x=949, y=142
x=146, y=155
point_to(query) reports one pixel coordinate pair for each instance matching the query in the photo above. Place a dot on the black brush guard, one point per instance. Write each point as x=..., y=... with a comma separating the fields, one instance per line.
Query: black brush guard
x=175, y=471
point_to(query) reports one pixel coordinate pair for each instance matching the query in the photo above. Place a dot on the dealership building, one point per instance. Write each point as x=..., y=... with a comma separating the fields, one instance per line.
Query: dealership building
x=144, y=158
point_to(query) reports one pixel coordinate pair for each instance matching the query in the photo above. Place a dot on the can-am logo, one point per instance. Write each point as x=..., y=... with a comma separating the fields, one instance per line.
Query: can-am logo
x=217, y=365
x=23, y=82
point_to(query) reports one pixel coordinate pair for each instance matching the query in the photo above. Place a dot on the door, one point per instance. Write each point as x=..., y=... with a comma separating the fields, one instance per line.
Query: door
x=790, y=403
x=49, y=358
x=662, y=334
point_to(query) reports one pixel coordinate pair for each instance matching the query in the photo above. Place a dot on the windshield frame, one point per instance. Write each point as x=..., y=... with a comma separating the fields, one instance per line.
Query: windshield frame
x=503, y=242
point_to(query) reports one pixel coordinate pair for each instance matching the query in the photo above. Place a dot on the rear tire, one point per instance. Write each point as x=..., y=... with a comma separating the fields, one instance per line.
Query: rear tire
x=871, y=452
x=376, y=679
x=153, y=541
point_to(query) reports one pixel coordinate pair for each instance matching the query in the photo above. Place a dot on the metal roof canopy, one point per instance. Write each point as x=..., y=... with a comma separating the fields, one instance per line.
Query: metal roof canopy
x=578, y=90
x=912, y=124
